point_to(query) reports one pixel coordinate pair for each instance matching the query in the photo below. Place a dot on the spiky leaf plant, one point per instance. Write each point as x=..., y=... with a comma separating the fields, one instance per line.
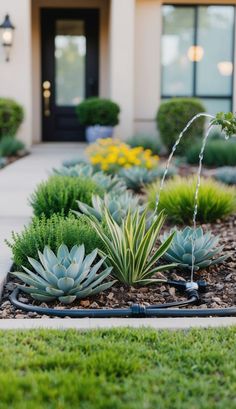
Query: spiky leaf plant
x=118, y=206
x=109, y=183
x=227, y=175
x=136, y=177
x=185, y=241
x=130, y=249
x=65, y=276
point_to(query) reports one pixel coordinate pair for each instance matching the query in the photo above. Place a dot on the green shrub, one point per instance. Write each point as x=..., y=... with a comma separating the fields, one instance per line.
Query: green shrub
x=10, y=146
x=173, y=116
x=52, y=232
x=98, y=111
x=147, y=142
x=217, y=153
x=177, y=198
x=60, y=193
x=11, y=116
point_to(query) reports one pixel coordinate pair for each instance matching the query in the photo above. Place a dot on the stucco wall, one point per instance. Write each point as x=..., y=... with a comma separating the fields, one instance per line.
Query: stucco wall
x=15, y=76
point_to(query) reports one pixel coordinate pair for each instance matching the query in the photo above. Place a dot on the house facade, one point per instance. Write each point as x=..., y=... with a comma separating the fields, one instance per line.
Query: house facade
x=136, y=52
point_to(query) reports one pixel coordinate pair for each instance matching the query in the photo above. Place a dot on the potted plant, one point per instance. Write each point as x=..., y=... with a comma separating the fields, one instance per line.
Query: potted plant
x=99, y=116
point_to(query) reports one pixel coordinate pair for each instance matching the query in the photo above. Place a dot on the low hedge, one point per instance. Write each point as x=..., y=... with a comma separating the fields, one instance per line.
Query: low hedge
x=11, y=116
x=217, y=153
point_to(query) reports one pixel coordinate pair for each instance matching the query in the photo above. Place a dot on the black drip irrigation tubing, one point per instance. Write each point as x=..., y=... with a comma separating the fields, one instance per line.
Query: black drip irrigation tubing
x=137, y=310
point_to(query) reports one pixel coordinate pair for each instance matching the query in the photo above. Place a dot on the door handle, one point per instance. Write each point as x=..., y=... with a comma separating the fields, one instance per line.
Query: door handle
x=46, y=97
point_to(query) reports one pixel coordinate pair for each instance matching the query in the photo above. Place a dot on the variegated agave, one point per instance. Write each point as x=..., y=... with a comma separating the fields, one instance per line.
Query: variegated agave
x=65, y=276
x=204, y=244
x=118, y=206
x=109, y=183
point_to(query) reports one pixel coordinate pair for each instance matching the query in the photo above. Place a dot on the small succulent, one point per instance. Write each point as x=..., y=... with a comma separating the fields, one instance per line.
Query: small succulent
x=65, y=276
x=205, y=248
x=3, y=162
x=226, y=174
x=118, y=206
x=137, y=177
x=68, y=163
x=109, y=183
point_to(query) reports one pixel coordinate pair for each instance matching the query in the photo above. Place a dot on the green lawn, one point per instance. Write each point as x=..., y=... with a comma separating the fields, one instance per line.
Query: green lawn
x=128, y=369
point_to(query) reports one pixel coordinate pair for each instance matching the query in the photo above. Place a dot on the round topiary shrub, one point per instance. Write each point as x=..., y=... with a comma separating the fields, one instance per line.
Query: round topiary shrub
x=59, y=194
x=11, y=116
x=52, y=232
x=215, y=200
x=98, y=111
x=173, y=116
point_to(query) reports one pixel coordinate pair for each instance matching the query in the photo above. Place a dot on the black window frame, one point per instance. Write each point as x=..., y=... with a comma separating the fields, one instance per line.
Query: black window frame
x=196, y=8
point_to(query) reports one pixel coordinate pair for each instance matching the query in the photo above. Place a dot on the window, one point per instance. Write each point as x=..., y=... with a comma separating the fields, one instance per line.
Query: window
x=197, y=54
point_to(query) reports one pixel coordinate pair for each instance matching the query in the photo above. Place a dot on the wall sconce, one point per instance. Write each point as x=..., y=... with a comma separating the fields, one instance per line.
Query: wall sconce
x=7, y=30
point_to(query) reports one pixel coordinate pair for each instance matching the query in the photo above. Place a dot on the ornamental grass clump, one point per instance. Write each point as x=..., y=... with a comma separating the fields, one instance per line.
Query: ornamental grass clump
x=52, y=232
x=131, y=248
x=111, y=155
x=60, y=193
x=193, y=245
x=215, y=200
x=65, y=276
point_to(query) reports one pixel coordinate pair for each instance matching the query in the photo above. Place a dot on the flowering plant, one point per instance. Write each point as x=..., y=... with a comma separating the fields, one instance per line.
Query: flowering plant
x=110, y=155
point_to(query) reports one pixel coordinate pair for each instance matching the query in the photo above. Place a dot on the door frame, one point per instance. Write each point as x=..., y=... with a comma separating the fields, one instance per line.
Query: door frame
x=48, y=17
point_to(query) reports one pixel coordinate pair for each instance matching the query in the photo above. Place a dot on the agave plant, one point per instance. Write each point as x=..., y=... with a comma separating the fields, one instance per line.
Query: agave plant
x=109, y=183
x=226, y=174
x=118, y=206
x=137, y=177
x=74, y=161
x=130, y=249
x=203, y=245
x=65, y=276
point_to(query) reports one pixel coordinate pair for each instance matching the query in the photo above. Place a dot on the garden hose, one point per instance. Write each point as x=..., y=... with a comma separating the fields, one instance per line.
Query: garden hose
x=191, y=289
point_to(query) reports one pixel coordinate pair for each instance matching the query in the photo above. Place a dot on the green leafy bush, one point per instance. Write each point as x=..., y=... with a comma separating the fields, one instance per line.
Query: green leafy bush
x=10, y=146
x=131, y=249
x=227, y=175
x=147, y=142
x=173, y=116
x=60, y=193
x=217, y=153
x=11, y=116
x=177, y=198
x=98, y=111
x=52, y=232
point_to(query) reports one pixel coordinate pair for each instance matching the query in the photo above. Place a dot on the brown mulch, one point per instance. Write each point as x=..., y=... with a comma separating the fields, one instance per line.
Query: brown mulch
x=221, y=280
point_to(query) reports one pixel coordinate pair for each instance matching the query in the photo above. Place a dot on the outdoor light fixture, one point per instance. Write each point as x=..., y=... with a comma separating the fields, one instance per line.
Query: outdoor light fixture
x=7, y=30
x=195, y=53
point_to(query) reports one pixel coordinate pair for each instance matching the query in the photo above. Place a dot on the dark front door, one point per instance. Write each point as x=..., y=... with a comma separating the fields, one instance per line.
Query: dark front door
x=69, y=69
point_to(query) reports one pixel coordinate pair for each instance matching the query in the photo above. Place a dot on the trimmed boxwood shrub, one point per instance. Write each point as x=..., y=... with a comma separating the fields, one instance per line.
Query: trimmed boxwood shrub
x=217, y=153
x=59, y=194
x=177, y=199
x=98, y=111
x=52, y=232
x=11, y=116
x=173, y=116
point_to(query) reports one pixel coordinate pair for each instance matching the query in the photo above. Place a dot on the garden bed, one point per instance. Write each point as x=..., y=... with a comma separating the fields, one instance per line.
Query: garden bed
x=12, y=159
x=221, y=280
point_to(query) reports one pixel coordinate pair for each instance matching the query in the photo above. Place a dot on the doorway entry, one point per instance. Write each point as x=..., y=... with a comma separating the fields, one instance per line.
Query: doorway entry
x=70, y=60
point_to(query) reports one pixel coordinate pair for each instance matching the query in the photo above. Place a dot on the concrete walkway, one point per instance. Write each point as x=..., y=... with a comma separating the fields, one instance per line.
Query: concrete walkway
x=17, y=182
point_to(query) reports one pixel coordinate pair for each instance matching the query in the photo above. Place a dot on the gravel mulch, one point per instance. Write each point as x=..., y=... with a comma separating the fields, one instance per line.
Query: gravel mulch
x=221, y=279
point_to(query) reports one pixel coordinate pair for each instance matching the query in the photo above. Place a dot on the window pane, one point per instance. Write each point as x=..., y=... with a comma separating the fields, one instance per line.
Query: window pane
x=216, y=105
x=70, y=52
x=215, y=36
x=177, y=38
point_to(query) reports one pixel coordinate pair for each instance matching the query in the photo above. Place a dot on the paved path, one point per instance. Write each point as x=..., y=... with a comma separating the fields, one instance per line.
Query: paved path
x=17, y=182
